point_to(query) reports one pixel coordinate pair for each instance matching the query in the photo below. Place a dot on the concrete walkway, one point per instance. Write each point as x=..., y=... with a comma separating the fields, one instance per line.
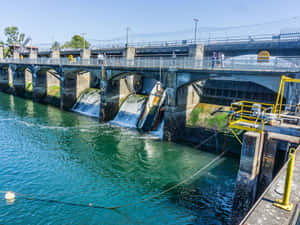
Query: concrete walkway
x=264, y=213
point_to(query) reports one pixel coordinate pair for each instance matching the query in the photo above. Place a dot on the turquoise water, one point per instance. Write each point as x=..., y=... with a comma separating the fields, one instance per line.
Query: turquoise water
x=48, y=153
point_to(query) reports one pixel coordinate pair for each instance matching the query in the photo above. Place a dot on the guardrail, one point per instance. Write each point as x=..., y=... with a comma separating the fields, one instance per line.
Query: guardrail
x=283, y=37
x=179, y=63
x=249, y=116
x=221, y=40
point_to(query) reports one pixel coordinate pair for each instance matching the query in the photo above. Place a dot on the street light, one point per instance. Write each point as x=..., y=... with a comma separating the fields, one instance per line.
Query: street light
x=83, y=34
x=127, y=30
x=196, y=23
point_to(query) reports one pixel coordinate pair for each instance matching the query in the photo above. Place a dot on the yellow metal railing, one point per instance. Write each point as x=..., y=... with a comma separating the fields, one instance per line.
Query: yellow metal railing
x=284, y=203
x=279, y=99
x=250, y=116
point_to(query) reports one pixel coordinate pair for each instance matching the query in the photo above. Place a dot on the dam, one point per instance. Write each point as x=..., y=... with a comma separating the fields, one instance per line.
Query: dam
x=189, y=102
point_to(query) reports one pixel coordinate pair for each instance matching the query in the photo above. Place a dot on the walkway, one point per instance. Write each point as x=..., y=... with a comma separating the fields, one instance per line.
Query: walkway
x=264, y=213
x=157, y=64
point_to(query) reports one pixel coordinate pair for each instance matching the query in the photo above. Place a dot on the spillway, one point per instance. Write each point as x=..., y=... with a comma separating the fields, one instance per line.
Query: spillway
x=88, y=103
x=130, y=111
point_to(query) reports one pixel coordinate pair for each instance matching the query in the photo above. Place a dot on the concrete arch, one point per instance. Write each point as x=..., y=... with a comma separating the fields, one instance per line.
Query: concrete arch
x=4, y=66
x=22, y=68
x=44, y=69
x=224, y=90
x=122, y=74
x=114, y=74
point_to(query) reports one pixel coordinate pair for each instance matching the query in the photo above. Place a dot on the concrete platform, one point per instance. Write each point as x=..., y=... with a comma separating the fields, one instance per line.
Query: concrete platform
x=264, y=213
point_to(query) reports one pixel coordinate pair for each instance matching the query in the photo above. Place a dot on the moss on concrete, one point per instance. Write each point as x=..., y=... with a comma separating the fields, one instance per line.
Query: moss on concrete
x=194, y=117
x=208, y=116
x=54, y=91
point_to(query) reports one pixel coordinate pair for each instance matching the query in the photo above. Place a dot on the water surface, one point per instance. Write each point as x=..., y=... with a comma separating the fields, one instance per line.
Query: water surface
x=60, y=155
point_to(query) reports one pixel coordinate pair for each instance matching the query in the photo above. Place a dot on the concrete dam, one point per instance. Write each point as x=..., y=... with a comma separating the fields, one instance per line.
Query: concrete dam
x=184, y=98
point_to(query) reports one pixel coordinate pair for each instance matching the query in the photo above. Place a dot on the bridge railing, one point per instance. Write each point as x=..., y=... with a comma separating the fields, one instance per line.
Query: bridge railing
x=165, y=63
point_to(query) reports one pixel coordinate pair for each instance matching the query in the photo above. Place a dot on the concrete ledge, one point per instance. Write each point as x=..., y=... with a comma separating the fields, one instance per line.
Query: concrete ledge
x=264, y=212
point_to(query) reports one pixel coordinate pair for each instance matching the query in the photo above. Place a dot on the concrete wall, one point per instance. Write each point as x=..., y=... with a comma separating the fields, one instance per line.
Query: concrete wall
x=129, y=53
x=28, y=77
x=268, y=163
x=43, y=84
x=82, y=83
x=72, y=85
x=33, y=54
x=246, y=183
x=68, y=90
x=19, y=82
x=51, y=81
x=55, y=54
x=176, y=116
x=113, y=93
x=39, y=86
x=4, y=79
x=85, y=55
x=16, y=55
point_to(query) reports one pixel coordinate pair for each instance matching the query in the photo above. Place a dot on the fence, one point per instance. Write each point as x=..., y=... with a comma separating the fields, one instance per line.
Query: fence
x=187, y=63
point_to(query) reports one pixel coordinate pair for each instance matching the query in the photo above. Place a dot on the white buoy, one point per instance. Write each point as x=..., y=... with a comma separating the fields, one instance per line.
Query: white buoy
x=10, y=196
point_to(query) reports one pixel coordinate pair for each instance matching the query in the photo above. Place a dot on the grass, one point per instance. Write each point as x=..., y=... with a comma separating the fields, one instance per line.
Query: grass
x=54, y=91
x=28, y=87
x=194, y=117
x=219, y=121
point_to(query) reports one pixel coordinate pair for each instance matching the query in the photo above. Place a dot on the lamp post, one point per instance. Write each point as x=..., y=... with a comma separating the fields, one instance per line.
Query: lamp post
x=127, y=31
x=195, y=33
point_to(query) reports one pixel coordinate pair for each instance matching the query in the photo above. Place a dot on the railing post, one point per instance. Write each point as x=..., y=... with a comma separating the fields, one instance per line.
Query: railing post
x=242, y=109
x=284, y=203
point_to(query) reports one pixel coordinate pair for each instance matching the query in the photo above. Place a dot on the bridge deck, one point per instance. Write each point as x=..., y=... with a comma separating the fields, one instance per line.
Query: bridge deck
x=179, y=65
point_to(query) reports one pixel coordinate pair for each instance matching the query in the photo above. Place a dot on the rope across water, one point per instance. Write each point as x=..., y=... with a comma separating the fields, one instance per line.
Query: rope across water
x=200, y=171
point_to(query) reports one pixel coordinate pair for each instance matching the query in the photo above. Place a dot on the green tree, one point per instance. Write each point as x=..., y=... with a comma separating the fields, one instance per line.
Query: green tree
x=56, y=45
x=77, y=41
x=13, y=35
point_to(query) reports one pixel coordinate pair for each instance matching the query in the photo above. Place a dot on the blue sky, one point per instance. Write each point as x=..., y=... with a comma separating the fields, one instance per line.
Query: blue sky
x=46, y=20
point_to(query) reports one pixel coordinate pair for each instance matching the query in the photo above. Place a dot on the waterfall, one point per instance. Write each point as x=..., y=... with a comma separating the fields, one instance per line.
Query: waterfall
x=88, y=103
x=130, y=111
x=151, y=113
x=159, y=132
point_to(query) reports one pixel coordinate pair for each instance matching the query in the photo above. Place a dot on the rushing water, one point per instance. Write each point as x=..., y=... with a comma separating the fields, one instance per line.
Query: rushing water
x=88, y=103
x=130, y=111
x=48, y=153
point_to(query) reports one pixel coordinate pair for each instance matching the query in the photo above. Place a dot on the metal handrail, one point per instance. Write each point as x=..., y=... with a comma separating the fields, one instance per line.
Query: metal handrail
x=178, y=63
x=253, y=114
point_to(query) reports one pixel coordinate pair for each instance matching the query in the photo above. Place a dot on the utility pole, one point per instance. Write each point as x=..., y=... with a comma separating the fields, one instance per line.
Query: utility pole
x=195, y=33
x=83, y=34
x=127, y=31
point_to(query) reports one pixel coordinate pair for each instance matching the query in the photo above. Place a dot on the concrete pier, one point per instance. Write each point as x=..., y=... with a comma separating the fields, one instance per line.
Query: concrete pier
x=265, y=213
x=245, y=192
x=113, y=93
x=19, y=81
x=258, y=164
x=40, y=85
x=71, y=87
x=4, y=78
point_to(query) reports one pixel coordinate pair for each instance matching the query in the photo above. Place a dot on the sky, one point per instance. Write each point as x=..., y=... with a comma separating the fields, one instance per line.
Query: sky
x=46, y=21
